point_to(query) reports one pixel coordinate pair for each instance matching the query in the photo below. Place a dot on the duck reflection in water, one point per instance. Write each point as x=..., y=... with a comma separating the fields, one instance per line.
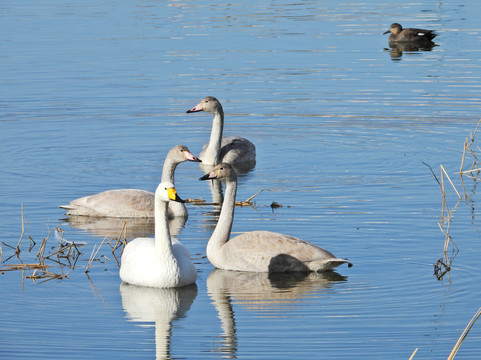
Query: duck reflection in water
x=396, y=50
x=268, y=293
x=160, y=306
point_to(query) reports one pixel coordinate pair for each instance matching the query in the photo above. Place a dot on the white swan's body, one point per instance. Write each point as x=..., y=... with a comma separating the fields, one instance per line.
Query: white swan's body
x=222, y=149
x=260, y=251
x=132, y=203
x=160, y=261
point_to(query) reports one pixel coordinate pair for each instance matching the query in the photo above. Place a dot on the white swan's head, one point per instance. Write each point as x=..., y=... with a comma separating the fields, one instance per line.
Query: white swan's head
x=223, y=172
x=166, y=192
x=208, y=104
x=180, y=153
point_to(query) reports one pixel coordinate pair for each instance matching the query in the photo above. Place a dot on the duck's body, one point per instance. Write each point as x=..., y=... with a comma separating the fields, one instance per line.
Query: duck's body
x=259, y=251
x=219, y=149
x=132, y=203
x=160, y=261
x=410, y=35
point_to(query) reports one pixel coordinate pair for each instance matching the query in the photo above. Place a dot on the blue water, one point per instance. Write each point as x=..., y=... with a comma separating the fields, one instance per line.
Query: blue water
x=93, y=96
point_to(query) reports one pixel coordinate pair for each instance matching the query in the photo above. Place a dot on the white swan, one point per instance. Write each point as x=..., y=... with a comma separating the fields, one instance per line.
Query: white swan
x=132, y=203
x=222, y=149
x=261, y=251
x=160, y=261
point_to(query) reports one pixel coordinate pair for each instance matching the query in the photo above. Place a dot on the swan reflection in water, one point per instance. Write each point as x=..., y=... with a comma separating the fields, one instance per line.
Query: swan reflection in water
x=160, y=306
x=269, y=294
x=112, y=227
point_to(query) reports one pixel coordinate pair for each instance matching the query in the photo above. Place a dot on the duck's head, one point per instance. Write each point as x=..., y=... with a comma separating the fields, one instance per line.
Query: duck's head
x=394, y=29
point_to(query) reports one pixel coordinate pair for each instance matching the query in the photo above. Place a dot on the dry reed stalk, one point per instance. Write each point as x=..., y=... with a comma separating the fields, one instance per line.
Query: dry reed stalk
x=470, y=171
x=414, y=353
x=195, y=201
x=32, y=243
x=17, y=249
x=442, y=267
x=61, y=251
x=74, y=248
x=464, y=334
x=454, y=187
x=11, y=267
x=441, y=187
x=204, y=203
x=257, y=193
x=92, y=255
x=464, y=155
x=446, y=233
x=435, y=177
x=467, y=147
x=119, y=240
x=41, y=250
x=46, y=275
x=447, y=238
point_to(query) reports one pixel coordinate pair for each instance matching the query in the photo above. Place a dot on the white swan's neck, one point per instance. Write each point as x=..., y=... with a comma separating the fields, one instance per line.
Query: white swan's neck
x=162, y=339
x=222, y=231
x=163, y=244
x=168, y=174
x=211, y=156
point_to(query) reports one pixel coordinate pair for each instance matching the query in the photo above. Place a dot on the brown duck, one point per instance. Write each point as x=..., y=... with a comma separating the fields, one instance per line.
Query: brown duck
x=410, y=35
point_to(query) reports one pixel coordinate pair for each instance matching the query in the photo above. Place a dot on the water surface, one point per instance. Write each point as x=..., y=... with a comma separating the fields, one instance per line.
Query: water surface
x=93, y=96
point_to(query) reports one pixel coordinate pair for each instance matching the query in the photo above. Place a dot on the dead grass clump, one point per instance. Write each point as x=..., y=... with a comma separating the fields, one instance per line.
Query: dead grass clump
x=49, y=266
x=443, y=264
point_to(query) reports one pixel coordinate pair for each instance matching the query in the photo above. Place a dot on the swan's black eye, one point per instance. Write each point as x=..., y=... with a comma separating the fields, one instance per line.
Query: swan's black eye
x=221, y=168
